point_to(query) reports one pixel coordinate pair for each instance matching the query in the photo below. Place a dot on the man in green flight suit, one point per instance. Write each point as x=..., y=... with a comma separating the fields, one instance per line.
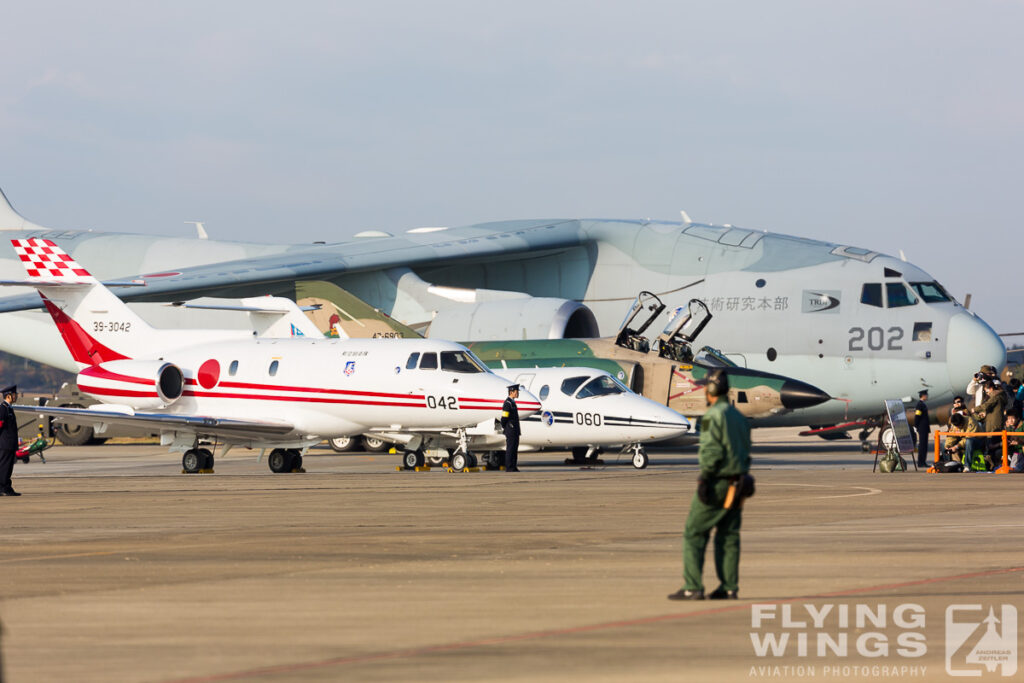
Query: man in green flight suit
x=724, y=459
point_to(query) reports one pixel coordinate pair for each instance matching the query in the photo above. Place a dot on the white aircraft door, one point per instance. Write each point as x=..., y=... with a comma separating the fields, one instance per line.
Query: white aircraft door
x=526, y=380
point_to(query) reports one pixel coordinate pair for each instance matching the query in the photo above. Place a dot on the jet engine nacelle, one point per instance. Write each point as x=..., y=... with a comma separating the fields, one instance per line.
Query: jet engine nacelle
x=139, y=384
x=520, y=318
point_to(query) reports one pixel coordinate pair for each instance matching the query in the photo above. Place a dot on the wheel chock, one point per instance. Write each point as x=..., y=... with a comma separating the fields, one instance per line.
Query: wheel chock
x=422, y=468
x=199, y=472
x=297, y=470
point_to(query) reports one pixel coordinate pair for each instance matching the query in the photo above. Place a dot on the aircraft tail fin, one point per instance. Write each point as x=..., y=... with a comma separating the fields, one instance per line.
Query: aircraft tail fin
x=96, y=325
x=11, y=219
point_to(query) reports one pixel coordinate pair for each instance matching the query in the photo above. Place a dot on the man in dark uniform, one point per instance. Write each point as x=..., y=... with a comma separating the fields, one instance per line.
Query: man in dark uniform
x=724, y=455
x=923, y=427
x=8, y=440
x=510, y=426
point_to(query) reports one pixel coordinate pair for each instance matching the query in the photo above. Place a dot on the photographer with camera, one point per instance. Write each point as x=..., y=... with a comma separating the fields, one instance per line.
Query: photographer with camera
x=975, y=387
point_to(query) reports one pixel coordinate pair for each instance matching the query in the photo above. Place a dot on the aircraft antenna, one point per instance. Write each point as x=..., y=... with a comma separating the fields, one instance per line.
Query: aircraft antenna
x=967, y=301
x=903, y=257
x=200, y=230
x=686, y=217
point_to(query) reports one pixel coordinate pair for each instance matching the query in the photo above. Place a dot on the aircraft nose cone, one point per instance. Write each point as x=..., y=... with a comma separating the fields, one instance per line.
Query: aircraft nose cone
x=796, y=394
x=971, y=343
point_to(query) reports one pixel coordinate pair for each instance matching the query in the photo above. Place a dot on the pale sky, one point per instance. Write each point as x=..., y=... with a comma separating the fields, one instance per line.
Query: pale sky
x=887, y=125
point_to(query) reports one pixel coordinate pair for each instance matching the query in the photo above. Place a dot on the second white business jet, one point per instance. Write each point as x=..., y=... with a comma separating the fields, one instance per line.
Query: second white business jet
x=197, y=387
x=582, y=409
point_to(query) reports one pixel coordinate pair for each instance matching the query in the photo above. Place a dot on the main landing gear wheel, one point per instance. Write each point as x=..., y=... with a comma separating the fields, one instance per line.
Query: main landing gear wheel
x=205, y=459
x=459, y=461
x=72, y=434
x=374, y=445
x=413, y=459
x=192, y=461
x=343, y=444
x=284, y=460
x=494, y=460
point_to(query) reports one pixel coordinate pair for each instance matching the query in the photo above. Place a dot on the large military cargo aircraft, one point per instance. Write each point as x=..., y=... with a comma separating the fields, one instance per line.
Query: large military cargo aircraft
x=858, y=324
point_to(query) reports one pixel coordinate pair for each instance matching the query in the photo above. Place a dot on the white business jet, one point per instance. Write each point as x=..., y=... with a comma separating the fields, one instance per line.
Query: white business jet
x=236, y=388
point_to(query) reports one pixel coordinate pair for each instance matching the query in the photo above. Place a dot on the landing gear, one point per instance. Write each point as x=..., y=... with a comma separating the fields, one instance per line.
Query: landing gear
x=640, y=458
x=374, y=445
x=284, y=460
x=413, y=459
x=461, y=458
x=196, y=459
x=494, y=460
x=585, y=455
x=343, y=444
x=190, y=461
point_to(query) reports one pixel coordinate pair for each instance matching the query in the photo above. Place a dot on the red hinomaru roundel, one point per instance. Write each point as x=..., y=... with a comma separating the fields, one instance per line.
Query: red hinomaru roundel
x=209, y=374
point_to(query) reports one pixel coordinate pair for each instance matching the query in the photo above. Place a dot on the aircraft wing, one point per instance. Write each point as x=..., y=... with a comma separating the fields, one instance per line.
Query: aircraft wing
x=324, y=261
x=201, y=425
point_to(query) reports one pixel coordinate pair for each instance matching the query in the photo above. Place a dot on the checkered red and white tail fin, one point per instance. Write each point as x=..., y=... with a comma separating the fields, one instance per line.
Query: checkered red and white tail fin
x=96, y=325
x=44, y=261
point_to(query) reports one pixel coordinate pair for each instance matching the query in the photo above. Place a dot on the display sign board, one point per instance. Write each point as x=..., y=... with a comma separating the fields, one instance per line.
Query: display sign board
x=900, y=426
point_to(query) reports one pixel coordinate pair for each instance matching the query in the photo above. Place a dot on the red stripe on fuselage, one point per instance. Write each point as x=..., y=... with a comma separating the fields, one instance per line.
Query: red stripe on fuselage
x=114, y=391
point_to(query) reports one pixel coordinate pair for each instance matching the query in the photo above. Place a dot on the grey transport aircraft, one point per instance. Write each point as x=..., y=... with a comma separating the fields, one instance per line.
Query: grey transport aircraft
x=860, y=325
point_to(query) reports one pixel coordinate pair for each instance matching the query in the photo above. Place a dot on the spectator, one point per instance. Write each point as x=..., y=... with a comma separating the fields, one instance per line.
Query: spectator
x=991, y=411
x=1014, y=442
x=975, y=388
x=1013, y=403
x=956, y=446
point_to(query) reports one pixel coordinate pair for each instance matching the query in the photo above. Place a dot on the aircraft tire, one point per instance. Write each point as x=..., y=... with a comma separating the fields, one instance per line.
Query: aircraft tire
x=640, y=460
x=374, y=445
x=278, y=460
x=435, y=461
x=296, y=461
x=493, y=460
x=459, y=461
x=343, y=444
x=72, y=434
x=191, y=461
x=473, y=462
x=413, y=459
x=205, y=459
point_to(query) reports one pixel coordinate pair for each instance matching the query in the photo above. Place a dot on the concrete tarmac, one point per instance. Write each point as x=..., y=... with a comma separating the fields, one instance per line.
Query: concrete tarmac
x=118, y=567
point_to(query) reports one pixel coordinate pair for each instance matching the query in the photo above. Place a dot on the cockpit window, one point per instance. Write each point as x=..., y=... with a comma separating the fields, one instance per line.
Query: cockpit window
x=428, y=361
x=931, y=292
x=457, y=361
x=411, y=363
x=898, y=295
x=871, y=294
x=601, y=386
x=569, y=386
